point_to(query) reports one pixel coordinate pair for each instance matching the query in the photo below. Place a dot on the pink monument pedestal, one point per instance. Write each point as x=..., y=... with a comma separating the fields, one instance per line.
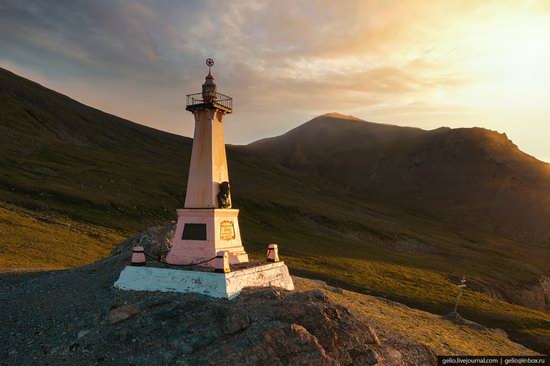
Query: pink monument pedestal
x=201, y=233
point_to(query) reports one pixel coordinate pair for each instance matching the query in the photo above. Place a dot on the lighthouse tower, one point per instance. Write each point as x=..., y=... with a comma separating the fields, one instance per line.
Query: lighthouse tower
x=207, y=224
x=207, y=233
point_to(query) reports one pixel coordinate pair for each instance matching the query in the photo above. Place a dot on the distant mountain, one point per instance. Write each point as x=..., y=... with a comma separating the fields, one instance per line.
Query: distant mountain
x=73, y=180
x=470, y=176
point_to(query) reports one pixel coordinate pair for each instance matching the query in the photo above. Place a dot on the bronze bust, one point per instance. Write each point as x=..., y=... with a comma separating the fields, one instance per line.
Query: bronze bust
x=224, y=196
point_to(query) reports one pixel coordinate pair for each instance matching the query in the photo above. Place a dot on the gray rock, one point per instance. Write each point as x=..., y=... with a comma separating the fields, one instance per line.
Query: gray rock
x=263, y=326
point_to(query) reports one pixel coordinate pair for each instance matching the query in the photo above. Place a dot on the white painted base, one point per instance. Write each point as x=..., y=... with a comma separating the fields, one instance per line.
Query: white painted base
x=220, y=285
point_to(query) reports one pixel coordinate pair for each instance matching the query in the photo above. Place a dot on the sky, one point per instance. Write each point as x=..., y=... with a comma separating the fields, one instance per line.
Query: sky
x=412, y=63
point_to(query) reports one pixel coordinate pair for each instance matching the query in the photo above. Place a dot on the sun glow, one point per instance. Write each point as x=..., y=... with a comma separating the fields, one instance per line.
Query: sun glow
x=482, y=64
x=511, y=63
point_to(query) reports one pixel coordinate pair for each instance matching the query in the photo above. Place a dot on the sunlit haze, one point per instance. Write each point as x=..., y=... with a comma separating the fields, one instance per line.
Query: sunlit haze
x=413, y=63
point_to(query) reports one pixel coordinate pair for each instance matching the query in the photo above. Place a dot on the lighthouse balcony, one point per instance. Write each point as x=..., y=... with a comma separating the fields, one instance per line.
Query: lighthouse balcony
x=209, y=100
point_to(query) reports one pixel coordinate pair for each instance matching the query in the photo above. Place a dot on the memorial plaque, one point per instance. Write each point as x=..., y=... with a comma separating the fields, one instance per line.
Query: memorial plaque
x=227, y=230
x=194, y=232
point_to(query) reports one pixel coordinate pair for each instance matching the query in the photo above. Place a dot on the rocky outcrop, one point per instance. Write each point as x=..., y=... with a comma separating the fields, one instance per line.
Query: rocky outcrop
x=77, y=317
x=537, y=296
x=534, y=295
x=262, y=327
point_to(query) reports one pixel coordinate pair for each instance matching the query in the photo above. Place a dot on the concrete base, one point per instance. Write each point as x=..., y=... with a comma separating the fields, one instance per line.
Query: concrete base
x=220, y=285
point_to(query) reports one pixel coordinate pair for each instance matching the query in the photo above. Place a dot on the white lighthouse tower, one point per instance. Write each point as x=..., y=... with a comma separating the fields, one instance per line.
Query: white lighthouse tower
x=208, y=223
x=207, y=240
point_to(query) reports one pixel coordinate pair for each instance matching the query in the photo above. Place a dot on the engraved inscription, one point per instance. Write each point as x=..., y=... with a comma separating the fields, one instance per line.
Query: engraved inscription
x=227, y=230
x=194, y=232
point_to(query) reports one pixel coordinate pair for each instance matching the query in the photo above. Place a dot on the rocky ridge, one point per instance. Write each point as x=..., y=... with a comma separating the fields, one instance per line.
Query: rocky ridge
x=472, y=176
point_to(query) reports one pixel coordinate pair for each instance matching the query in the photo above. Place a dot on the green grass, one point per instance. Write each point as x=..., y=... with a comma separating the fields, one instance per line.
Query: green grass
x=425, y=281
x=425, y=289
x=444, y=336
x=38, y=241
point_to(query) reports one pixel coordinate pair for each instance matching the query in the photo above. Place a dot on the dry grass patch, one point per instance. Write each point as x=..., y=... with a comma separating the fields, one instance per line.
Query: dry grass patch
x=390, y=318
x=40, y=241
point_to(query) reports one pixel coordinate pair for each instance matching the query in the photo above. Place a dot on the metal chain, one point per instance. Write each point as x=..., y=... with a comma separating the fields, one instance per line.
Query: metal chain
x=150, y=257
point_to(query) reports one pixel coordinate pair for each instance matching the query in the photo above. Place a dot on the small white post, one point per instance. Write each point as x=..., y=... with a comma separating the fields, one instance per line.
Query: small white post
x=272, y=253
x=138, y=256
x=221, y=262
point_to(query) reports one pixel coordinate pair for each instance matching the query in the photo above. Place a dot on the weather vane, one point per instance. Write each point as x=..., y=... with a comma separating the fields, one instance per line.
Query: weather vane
x=209, y=63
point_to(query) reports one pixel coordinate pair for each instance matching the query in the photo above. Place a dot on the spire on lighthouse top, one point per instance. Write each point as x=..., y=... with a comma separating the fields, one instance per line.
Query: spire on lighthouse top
x=209, y=78
x=209, y=87
x=209, y=98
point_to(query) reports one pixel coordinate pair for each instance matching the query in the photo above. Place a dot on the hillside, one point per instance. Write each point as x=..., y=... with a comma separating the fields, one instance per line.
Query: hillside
x=33, y=240
x=315, y=324
x=73, y=176
x=474, y=177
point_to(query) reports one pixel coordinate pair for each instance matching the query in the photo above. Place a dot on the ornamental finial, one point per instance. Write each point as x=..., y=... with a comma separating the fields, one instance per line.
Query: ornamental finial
x=209, y=77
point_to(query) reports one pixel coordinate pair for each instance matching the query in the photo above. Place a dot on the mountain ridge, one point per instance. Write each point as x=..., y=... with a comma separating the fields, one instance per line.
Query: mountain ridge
x=425, y=169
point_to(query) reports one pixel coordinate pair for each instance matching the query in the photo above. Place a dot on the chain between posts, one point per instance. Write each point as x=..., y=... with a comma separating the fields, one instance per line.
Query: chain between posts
x=150, y=257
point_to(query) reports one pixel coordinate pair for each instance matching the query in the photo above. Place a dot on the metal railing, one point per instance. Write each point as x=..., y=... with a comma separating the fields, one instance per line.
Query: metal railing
x=198, y=99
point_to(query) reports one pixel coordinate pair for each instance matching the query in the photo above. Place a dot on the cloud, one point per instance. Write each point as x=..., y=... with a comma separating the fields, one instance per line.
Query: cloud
x=158, y=42
x=279, y=59
x=99, y=39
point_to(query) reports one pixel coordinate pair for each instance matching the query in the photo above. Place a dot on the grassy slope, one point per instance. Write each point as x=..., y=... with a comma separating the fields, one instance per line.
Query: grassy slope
x=39, y=241
x=368, y=260
x=60, y=157
x=445, y=337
